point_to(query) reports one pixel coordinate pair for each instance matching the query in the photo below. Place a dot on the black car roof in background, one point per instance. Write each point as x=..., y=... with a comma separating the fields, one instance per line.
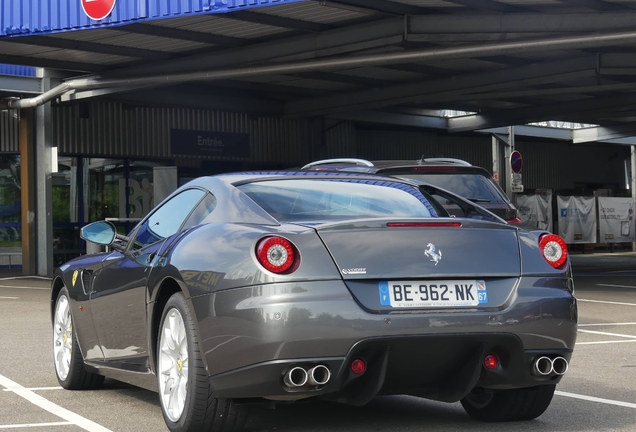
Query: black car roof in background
x=382, y=166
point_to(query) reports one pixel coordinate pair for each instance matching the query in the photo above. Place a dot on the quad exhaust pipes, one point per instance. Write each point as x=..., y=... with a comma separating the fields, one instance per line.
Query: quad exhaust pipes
x=299, y=377
x=545, y=366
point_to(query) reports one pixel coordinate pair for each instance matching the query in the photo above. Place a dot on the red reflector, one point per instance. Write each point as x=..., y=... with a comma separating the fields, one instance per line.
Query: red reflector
x=423, y=224
x=358, y=366
x=276, y=254
x=434, y=169
x=515, y=220
x=491, y=362
x=553, y=249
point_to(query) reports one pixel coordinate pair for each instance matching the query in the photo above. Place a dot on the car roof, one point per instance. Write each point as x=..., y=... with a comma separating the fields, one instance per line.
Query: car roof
x=362, y=165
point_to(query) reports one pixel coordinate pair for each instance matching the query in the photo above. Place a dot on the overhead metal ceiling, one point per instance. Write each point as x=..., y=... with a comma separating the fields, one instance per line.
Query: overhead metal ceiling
x=513, y=62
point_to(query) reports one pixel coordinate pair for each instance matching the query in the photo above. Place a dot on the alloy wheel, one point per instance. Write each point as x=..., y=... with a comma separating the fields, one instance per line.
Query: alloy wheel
x=173, y=365
x=62, y=337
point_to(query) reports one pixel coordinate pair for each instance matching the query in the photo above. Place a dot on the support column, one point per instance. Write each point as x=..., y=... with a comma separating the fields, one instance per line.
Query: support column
x=43, y=183
x=510, y=147
x=633, y=182
x=27, y=190
x=496, y=166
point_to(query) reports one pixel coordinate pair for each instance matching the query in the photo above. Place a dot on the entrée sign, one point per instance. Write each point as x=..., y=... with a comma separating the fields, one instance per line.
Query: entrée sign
x=224, y=144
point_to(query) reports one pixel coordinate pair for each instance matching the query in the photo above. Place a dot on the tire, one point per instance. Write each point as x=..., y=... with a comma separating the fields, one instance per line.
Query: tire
x=187, y=401
x=508, y=405
x=70, y=370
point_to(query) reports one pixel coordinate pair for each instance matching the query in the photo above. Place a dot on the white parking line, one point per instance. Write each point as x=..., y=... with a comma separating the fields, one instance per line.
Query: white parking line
x=49, y=406
x=606, y=302
x=607, y=334
x=607, y=324
x=595, y=399
x=617, y=286
x=605, y=342
x=24, y=287
x=26, y=277
x=10, y=298
x=38, y=388
x=30, y=425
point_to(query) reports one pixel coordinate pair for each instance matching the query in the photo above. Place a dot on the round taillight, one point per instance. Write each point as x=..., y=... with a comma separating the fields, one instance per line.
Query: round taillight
x=491, y=362
x=554, y=249
x=358, y=366
x=276, y=254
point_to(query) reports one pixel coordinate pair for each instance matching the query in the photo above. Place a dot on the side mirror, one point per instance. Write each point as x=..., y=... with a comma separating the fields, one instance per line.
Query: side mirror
x=101, y=232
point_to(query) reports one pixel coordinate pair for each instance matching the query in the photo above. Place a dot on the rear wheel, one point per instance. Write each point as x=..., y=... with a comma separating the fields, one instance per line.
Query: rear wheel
x=508, y=405
x=69, y=364
x=187, y=401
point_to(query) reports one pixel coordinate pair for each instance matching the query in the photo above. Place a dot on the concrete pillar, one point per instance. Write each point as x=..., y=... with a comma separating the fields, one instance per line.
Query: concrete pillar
x=28, y=190
x=633, y=183
x=510, y=147
x=496, y=163
x=43, y=182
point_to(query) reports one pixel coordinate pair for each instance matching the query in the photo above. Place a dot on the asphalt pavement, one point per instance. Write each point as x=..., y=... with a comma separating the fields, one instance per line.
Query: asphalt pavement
x=597, y=394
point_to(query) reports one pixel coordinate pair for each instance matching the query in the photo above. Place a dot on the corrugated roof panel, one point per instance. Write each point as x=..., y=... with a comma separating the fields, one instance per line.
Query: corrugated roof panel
x=463, y=64
x=313, y=11
x=23, y=17
x=315, y=84
x=121, y=38
x=382, y=73
x=83, y=57
x=7, y=69
x=532, y=2
x=222, y=26
x=428, y=3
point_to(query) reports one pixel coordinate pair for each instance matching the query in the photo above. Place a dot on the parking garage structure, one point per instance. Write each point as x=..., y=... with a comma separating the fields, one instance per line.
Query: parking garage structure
x=102, y=118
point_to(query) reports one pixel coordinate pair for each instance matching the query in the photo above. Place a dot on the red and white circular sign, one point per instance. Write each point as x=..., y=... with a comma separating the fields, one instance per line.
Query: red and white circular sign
x=98, y=9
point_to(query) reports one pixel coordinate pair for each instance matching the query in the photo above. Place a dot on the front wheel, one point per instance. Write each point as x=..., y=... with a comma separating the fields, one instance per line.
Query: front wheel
x=187, y=401
x=508, y=405
x=69, y=364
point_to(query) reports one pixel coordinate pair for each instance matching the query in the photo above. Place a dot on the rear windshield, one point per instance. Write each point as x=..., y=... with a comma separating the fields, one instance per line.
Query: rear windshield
x=474, y=187
x=304, y=200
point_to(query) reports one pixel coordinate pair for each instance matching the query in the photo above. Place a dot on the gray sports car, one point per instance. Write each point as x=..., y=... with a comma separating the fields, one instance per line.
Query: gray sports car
x=284, y=286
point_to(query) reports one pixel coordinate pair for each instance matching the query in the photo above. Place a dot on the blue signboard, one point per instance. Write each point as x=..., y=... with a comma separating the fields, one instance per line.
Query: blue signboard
x=27, y=17
x=207, y=143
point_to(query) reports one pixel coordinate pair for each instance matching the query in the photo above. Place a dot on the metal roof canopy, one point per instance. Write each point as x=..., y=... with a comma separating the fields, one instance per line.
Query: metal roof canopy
x=511, y=62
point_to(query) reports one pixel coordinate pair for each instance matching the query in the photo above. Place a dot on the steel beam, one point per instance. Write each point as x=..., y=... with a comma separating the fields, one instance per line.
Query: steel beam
x=187, y=35
x=266, y=51
x=537, y=113
x=20, y=84
x=381, y=117
x=278, y=21
x=93, y=47
x=523, y=23
x=603, y=133
x=490, y=5
x=383, y=6
x=439, y=90
x=597, y=5
x=50, y=63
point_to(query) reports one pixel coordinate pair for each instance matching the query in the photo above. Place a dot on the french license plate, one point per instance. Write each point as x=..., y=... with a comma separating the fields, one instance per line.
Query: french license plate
x=443, y=293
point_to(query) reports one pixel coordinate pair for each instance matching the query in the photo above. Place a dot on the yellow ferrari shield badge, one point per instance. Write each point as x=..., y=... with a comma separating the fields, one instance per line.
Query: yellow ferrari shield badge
x=74, y=277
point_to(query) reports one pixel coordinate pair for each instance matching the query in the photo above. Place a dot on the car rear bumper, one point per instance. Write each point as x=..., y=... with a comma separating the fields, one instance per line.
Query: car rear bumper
x=251, y=336
x=444, y=368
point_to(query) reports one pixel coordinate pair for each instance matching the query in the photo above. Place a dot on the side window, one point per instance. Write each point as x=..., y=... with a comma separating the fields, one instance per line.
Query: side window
x=204, y=208
x=167, y=219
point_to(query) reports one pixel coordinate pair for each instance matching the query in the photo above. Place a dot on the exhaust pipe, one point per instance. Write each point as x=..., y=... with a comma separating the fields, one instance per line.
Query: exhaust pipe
x=295, y=377
x=318, y=375
x=542, y=366
x=560, y=365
